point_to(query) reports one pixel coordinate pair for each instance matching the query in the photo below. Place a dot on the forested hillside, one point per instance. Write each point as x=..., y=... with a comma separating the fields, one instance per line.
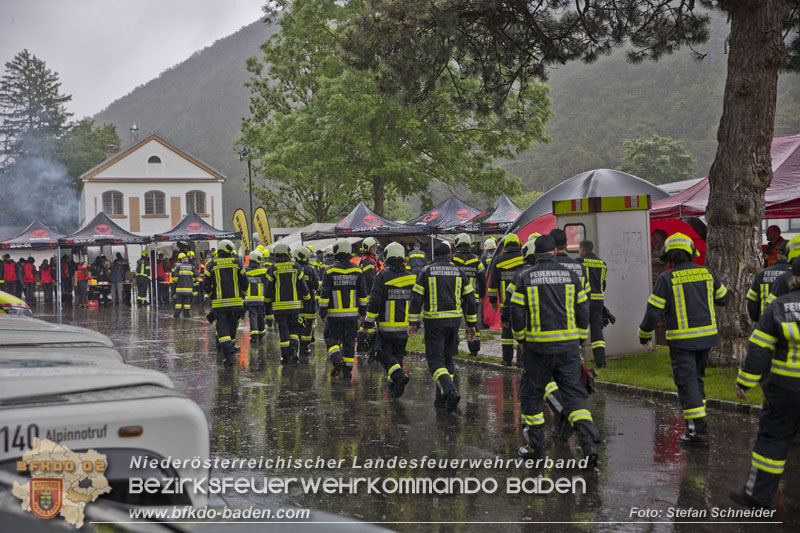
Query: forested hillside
x=199, y=104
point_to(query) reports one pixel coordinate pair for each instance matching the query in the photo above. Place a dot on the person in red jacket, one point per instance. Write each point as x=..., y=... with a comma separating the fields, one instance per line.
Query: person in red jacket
x=84, y=275
x=46, y=278
x=10, y=284
x=29, y=278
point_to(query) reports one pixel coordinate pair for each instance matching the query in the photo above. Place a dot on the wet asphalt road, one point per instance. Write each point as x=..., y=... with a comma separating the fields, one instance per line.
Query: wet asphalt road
x=260, y=408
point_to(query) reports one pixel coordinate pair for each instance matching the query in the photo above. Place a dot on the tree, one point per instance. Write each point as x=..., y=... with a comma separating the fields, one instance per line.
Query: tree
x=83, y=146
x=412, y=45
x=657, y=159
x=326, y=138
x=32, y=110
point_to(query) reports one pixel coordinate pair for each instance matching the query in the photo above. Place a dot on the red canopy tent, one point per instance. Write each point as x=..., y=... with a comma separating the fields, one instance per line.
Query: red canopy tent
x=782, y=198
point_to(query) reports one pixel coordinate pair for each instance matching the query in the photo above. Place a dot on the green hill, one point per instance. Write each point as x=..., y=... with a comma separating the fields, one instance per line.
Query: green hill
x=199, y=104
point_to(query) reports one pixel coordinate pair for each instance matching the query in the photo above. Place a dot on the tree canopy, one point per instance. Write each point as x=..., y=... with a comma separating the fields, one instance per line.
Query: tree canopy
x=657, y=159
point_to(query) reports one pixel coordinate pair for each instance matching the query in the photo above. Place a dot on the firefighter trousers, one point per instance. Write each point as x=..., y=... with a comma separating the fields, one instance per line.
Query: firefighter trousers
x=777, y=427
x=306, y=332
x=141, y=290
x=392, y=352
x=288, y=333
x=256, y=312
x=441, y=345
x=688, y=371
x=565, y=370
x=183, y=301
x=227, y=320
x=596, y=332
x=340, y=340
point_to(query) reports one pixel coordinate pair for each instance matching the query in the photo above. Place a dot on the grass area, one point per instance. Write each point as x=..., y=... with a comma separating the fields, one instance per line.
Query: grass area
x=652, y=370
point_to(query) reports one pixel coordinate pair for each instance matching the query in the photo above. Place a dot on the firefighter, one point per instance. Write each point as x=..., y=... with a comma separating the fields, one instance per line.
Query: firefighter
x=190, y=257
x=142, y=278
x=781, y=284
x=503, y=269
x=254, y=301
x=758, y=294
x=184, y=275
x=225, y=283
x=548, y=310
x=369, y=261
x=489, y=247
x=388, y=308
x=596, y=280
x=417, y=259
x=441, y=295
x=266, y=261
x=342, y=302
x=471, y=265
x=286, y=294
x=686, y=295
x=303, y=256
x=772, y=352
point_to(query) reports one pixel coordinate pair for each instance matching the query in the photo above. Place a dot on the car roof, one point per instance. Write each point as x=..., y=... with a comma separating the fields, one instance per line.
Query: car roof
x=16, y=330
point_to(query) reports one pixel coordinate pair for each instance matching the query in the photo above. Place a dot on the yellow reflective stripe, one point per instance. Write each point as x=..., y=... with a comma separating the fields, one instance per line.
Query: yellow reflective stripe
x=284, y=344
x=747, y=380
x=459, y=292
x=721, y=292
x=599, y=344
x=766, y=464
x=392, y=369
x=770, y=298
x=372, y=315
x=691, y=333
x=510, y=263
x=695, y=412
x=517, y=299
x=334, y=348
x=353, y=270
x=657, y=301
x=534, y=308
x=549, y=389
x=680, y=307
x=791, y=332
x=413, y=318
x=785, y=368
x=363, y=301
x=433, y=300
x=552, y=336
x=419, y=290
x=582, y=297
x=533, y=420
x=507, y=342
x=402, y=281
x=491, y=291
x=764, y=297
x=580, y=414
x=765, y=340
x=570, y=306
x=442, y=314
x=710, y=293
x=440, y=372
x=753, y=295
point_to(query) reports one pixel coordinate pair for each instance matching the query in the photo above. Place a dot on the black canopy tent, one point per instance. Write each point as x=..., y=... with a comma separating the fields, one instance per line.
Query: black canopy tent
x=497, y=218
x=364, y=222
x=37, y=236
x=193, y=228
x=447, y=217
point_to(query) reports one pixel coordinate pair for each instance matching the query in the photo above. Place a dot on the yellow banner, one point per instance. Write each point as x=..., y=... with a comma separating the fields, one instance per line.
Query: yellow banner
x=240, y=223
x=261, y=223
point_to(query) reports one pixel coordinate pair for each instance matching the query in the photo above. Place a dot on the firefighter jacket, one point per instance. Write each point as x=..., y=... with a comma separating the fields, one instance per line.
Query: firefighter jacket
x=774, y=345
x=758, y=295
x=417, y=261
x=595, y=275
x=389, y=300
x=471, y=265
x=549, y=307
x=312, y=282
x=256, y=283
x=185, y=276
x=225, y=282
x=286, y=288
x=562, y=258
x=779, y=287
x=686, y=295
x=443, y=293
x=486, y=259
x=369, y=266
x=143, y=267
x=502, y=272
x=343, y=295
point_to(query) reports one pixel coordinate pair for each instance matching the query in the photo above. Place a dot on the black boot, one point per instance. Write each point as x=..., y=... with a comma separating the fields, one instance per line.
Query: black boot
x=745, y=500
x=698, y=440
x=398, y=383
x=529, y=452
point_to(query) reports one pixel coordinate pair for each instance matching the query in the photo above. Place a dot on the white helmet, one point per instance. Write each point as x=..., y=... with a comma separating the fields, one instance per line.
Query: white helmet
x=342, y=246
x=394, y=249
x=226, y=246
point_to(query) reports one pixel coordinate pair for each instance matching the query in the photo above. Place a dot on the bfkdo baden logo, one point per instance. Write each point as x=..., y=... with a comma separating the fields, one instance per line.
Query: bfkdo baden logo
x=62, y=481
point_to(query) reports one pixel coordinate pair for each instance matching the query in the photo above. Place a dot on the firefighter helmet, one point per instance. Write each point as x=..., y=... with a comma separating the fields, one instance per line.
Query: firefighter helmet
x=302, y=253
x=793, y=248
x=181, y=256
x=190, y=253
x=394, y=250
x=680, y=241
x=226, y=246
x=329, y=250
x=463, y=240
x=368, y=243
x=510, y=239
x=256, y=256
x=281, y=249
x=145, y=253
x=529, y=248
x=533, y=236
x=342, y=246
x=489, y=244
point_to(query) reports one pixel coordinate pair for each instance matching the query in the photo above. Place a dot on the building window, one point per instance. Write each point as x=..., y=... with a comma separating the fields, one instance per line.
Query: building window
x=154, y=160
x=196, y=201
x=154, y=203
x=112, y=203
x=794, y=224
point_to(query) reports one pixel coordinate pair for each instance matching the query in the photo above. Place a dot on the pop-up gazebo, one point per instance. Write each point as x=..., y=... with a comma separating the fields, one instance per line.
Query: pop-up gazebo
x=496, y=219
x=447, y=217
x=193, y=228
x=364, y=222
x=37, y=236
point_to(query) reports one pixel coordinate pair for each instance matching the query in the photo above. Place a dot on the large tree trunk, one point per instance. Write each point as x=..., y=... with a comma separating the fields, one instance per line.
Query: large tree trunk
x=742, y=169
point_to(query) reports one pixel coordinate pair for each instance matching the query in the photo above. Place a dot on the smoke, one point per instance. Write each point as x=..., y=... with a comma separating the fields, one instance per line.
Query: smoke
x=35, y=187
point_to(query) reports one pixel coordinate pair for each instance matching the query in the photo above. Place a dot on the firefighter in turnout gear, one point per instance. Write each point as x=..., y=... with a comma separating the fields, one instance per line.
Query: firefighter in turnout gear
x=184, y=275
x=441, y=295
x=254, y=300
x=388, y=308
x=225, y=284
x=548, y=309
x=772, y=352
x=471, y=265
x=369, y=262
x=489, y=246
x=303, y=256
x=417, y=259
x=758, y=294
x=562, y=258
x=686, y=296
x=596, y=279
x=143, y=277
x=342, y=301
x=781, y=284
x=286, y=294
x=266, y=262
x=503, y=269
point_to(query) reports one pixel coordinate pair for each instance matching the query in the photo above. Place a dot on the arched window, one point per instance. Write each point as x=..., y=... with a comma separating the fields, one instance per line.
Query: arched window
x=196, y=201
x=154, y=203
x=112, y=203
x=154, y=160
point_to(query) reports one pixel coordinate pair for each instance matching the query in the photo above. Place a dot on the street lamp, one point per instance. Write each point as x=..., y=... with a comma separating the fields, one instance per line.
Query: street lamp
x=242, y=155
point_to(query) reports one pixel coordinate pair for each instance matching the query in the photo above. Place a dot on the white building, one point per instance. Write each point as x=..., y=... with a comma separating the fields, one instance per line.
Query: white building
x=147, y=188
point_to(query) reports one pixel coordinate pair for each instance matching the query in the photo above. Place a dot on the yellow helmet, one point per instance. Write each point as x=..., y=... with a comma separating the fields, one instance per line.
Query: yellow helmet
x=181, y=256
x=511, y=238
x=793, y=248
x=190, y=253
x=533, y=236
x=680, y=241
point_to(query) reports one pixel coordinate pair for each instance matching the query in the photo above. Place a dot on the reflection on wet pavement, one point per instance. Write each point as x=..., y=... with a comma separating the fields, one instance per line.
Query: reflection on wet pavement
x=260, y=408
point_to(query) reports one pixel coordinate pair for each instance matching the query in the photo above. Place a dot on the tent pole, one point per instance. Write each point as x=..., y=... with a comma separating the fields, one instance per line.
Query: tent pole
x=58, y=283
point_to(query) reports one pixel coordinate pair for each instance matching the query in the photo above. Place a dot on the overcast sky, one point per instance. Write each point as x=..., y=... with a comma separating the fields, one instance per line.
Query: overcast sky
x=102, y=49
